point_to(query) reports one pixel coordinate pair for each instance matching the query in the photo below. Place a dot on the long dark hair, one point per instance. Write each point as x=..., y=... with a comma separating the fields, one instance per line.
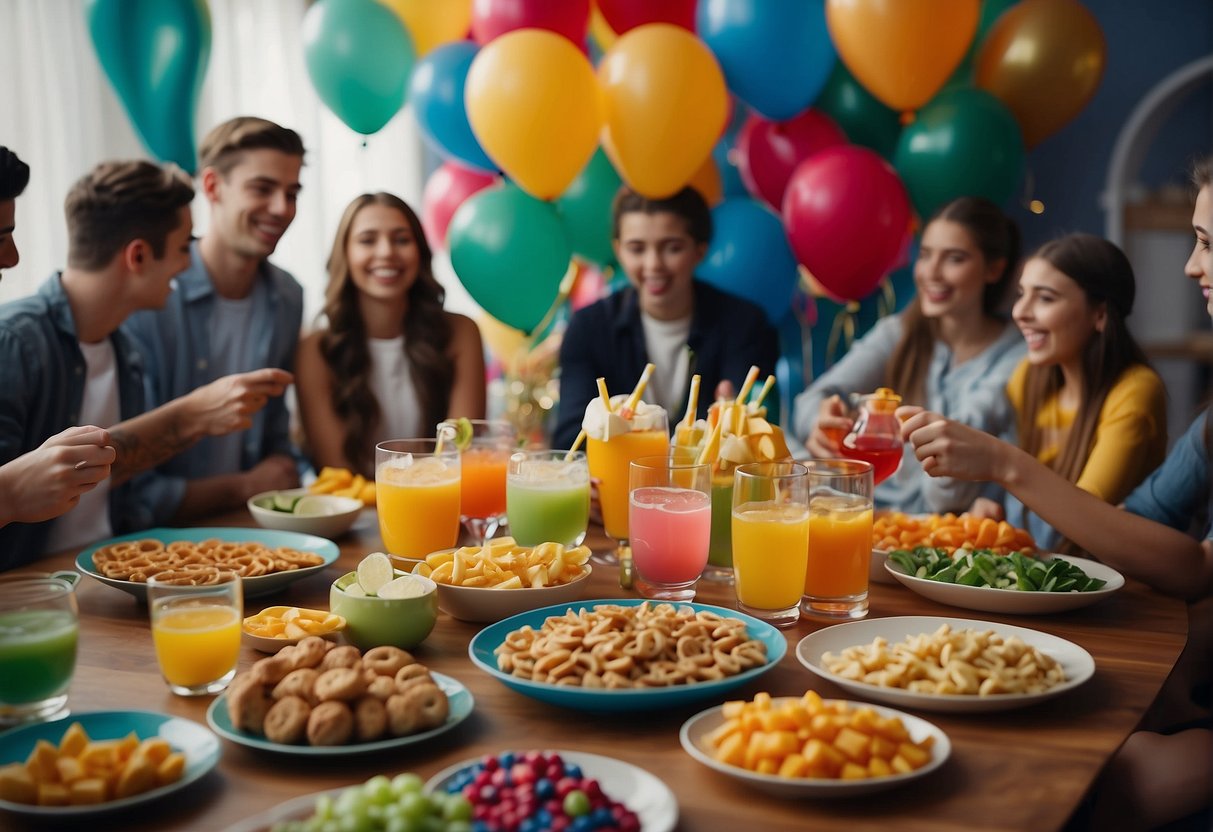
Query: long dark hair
x=1202, y=177
x=343, y=344
x=997, y=237
x=1105, y=276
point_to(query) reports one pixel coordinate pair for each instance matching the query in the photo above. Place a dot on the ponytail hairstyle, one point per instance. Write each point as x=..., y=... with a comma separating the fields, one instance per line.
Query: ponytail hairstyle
x=343, y=346
x=997, y=238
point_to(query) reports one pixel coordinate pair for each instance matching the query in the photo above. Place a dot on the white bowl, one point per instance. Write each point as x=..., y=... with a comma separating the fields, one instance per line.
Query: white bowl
x=877, y=574
x=486, y=605
x=345, y=512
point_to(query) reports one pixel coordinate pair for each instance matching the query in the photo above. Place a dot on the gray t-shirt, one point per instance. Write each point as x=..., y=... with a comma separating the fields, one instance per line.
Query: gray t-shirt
x=231, y=352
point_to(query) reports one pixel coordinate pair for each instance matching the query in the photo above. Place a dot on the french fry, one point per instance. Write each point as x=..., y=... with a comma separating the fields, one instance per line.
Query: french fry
x=502, y=564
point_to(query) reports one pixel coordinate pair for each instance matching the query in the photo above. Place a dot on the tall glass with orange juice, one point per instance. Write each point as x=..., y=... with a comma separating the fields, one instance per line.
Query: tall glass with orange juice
x=840, y=539
x=417, y=495
x=770, y=539
x=196, y=632
x=485, y=457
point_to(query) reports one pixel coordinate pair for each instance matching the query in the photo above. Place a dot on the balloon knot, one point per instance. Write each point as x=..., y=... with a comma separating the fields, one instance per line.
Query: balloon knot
x=907, y=118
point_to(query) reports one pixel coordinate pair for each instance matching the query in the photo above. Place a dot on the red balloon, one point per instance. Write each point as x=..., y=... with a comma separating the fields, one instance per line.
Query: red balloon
x=491, y=18
x=768, y=151
x=847, y=216
x=447, y=189
x=625, y=15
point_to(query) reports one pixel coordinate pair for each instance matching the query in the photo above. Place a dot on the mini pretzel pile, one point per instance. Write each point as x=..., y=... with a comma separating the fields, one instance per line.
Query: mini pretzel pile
x=190, y=563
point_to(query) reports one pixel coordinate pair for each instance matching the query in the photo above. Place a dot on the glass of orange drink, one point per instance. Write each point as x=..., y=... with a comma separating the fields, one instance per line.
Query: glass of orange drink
x=770, y=539
x=840, y=539
x=196, y=631
x=483, y=466
x=417, y=484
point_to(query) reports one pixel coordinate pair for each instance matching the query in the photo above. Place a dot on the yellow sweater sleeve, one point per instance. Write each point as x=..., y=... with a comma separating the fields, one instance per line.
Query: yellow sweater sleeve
x=1131, y=439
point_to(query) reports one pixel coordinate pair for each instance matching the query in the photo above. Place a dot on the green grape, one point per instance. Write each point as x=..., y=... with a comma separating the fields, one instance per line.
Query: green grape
x=379, y=790
x=414, y=806
x=407, y=783
x=457, y=808
x=576, y=803
x=324, y=807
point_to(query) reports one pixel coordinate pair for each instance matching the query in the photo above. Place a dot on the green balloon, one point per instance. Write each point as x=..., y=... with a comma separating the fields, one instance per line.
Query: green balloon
x=155, y=53
x=864, y=119
x=586, y=209
x=965, y=142
x=510, y=251
x=359, y=57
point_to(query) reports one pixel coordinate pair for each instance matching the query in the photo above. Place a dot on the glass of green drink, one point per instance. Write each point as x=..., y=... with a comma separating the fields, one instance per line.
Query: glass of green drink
x=38, y=633
x=547, y=497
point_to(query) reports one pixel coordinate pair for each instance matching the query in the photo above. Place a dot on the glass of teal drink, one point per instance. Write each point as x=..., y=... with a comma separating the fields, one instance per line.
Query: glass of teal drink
x=547, y=497
x=38, y=632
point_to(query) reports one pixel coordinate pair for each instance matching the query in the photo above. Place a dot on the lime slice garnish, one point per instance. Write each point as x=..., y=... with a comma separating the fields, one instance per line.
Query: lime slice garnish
x=313, y=505
x=458, y=431
x=375, y=572
x=285, y=502
x=406, y=586
x=355, y=590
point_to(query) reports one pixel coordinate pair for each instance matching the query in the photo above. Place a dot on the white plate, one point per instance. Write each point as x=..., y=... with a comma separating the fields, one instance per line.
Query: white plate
x=695, y=730
x=644, y=794
x=1014, y=601
x=1075, y=662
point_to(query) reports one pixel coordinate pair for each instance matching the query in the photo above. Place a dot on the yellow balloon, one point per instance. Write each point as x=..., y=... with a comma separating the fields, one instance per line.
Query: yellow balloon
x=666, y=106
x=508, y=345
x=432, y=24
x=1044, y=60
x=534, y=106
x=902, y=51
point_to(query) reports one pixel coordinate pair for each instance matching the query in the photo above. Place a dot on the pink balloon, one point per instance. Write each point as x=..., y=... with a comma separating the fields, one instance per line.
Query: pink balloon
x=847, y=216
x=768, y=151
x=491, y=18
x=447, y=189
x=625, y=15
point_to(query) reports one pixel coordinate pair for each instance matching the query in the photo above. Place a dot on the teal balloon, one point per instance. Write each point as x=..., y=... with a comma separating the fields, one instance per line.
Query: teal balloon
x=991, y=10
x=965, y=142
x=864, y=119
x=586, y=209
x=359, y=57
x=155, y=52
x=510, y=251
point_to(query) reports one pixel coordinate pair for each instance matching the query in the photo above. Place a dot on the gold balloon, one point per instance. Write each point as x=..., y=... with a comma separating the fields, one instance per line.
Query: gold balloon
x=433, y=24
x=1044, y=60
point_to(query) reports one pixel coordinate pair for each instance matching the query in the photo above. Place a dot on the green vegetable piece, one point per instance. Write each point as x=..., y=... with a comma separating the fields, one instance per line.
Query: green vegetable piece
x=947, y=576
x=286, y=502
x=1093, y=584
x=905, y=560
x=1024, y=582
x=968, y=576
x=1065, y=585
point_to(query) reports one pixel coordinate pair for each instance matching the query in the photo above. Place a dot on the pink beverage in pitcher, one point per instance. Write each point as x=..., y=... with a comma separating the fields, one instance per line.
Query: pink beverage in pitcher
x=670, y=529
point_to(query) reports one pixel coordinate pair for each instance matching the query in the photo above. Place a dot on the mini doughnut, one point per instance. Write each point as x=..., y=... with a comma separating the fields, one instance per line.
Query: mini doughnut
x=430, y=705
x=309, y=652
x=247, y=705
x=386, y=660
x=370, y=719
x=330, y=723
x=344, y=684
x=301, y=683
x=344, y=656
x=381, y=687
x=272, y=669
x=411, y=671
x=287, y=720
x=401, y=718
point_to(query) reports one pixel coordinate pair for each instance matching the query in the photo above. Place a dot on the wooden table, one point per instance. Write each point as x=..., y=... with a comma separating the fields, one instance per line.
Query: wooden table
x=1026, y=769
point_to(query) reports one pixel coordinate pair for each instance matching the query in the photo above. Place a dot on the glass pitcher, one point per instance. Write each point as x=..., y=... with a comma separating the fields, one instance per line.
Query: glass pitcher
x=876, y=435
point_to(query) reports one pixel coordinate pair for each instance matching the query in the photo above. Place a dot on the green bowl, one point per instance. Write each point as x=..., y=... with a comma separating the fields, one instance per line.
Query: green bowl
x=372, y=622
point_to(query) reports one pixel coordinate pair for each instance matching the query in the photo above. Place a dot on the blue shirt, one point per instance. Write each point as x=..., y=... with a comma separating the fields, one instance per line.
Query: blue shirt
x=178, y=358
x=42, y=374
x=1172, y=494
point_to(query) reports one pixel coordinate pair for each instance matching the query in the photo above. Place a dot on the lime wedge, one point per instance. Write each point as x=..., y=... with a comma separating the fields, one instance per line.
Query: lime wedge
x=313, y=505
x=406, y=586
x=355, y=590
x=462, y=429
x=285, y=502
x=374, y=572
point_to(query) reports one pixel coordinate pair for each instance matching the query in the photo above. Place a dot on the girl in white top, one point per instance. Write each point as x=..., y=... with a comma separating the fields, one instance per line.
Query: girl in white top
x=391, y=363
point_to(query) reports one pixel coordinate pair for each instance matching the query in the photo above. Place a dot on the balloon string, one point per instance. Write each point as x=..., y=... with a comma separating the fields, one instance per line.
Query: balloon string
x=566, y=288
x=843, y=330
x=886, y=301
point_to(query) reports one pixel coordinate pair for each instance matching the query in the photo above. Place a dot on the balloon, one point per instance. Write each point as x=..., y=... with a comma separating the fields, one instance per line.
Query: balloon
x=1044, y=60
x=436, y=92
x=507, y=344
x=433, y=24
x=750, y=257
x=847, y=216
x=776, y=54
x=447, y=189
x=964, y=143
x=510, y=251
x=708, y=182
x=359, y=57
x=625, y=15
x=860, y=115
x=533, y=104
x=585, y=209
x=902, y=51
x=768, y=152
x=154, y=53
x=666, y=105
x=493, y=18
x=991, y=10
x=600, y=31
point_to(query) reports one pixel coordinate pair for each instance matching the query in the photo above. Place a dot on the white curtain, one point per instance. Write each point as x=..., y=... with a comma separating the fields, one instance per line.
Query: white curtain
x=60, y=114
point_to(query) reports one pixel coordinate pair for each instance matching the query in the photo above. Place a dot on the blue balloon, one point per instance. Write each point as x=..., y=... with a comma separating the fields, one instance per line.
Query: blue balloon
x=437, y=95
x=731, y=184
x=776, y=54
x=750, y=256
x=155, y=54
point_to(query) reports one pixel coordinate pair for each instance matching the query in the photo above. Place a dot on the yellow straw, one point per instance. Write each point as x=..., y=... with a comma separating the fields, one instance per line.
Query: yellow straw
x=762, y=394
x=692, y=401
x=606, y=401
x=634, y=399
x=576, y=444
x=714, y=439
x=750, y=378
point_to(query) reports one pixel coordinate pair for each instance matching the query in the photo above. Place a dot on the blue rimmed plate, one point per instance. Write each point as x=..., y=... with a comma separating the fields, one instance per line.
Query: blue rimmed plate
x=487, y=640
x=200, y=746
x=460, y=699
x=260, y=585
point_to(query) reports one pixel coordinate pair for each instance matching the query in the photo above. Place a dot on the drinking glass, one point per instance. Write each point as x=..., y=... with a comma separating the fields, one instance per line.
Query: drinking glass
x=482, y=477
x=687, y=445
x=670, y=521
x=547, y=497
x=770, y=539
x=417, y=496
x=38, y=634
x=196, y=631
x=608, y=461
x=840, y=539
x=876, y=435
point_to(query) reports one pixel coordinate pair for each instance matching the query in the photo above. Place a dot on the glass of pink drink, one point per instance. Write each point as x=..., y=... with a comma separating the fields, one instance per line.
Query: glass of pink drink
x=670, y=524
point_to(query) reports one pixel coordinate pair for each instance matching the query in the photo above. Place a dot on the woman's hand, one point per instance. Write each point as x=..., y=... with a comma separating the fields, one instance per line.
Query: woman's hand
x=984, y=507
x=832, y=425
x=950, y=449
